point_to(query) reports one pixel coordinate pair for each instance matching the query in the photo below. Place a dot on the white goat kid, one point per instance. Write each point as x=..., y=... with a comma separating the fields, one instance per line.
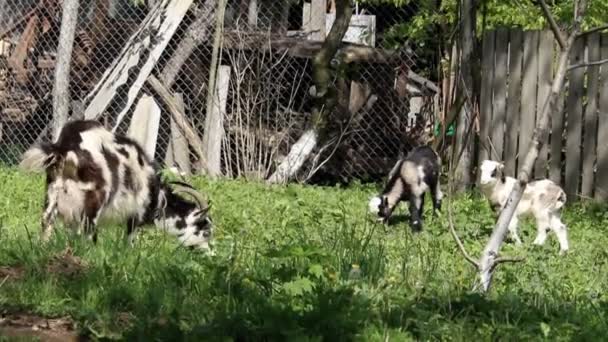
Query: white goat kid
x=542, y=199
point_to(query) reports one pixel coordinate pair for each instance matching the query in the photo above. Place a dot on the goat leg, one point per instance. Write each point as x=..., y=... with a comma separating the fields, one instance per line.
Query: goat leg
x=131, y=231
x=48, y=218
x=415, y=213
x=436, y=196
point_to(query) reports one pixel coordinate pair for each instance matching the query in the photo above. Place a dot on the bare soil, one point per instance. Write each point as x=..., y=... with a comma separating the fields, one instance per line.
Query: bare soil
x=38, y=328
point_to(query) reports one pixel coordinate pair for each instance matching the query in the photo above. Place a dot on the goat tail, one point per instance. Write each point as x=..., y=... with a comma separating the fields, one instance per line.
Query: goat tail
x=37, y=158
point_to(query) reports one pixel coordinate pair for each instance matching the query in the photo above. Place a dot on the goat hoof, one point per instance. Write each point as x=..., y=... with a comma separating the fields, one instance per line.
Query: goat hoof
x=563, y=252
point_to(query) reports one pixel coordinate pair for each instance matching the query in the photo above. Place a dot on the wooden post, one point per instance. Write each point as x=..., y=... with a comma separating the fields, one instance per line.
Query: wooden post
x=144, y=124
x=178, y=153
x=528, y=93
x=574, y=119
x=318, y=9
x=61, y=89
x=590, y=127
x=252, y=14
x=601, y=181
x=214, y=122
x=485, y=115
x=513, y=102
x=545, y=76
x=500, y=92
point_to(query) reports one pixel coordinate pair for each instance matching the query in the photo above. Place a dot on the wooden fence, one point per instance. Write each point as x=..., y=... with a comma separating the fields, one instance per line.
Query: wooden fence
x=517, y=72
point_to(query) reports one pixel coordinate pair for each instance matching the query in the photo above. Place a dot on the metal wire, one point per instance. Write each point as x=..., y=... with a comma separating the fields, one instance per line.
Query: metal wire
x=267, y=47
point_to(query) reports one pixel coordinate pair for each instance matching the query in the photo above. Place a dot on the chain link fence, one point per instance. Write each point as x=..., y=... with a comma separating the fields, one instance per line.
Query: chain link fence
x=233, y=94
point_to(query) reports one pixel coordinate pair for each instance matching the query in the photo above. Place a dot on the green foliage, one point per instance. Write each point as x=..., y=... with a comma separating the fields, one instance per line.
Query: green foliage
x=431, y=14
x=306, y=263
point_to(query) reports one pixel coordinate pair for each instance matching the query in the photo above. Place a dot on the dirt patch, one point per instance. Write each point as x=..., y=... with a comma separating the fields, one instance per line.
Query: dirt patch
x=66, y=264
x=11, y=273
x=44, y=329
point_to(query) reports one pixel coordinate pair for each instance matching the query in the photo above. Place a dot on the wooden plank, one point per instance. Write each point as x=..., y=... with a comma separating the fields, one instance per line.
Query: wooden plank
x=545, y=79
x=318, y=10
x=590, y=127
x=214, y=122
x=178, y=153
x=528, y=92
x=138, y=57
x=557, y=130
x=144, y=124
x=485, y=106
x=574, y=115
x=601, y=180
x=513, y=102
x=500, y=92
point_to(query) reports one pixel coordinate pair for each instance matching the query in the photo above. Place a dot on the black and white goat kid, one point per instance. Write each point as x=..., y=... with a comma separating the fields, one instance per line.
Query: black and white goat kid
x=93, y=174
x=409, y=180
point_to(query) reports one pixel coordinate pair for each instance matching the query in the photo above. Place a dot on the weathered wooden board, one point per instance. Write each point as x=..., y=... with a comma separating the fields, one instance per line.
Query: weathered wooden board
x=545, y=79
x=557, y=132
x=144, y=124
x=318, y=9
x=361, y=29
x=214, y=122
x=574, y=116
x=590, y=126
x=485, y=110
x=178, y=152
x=528, y=93
x=121, y=83
x=513, y=102
x=601, y=180
x=500, y=92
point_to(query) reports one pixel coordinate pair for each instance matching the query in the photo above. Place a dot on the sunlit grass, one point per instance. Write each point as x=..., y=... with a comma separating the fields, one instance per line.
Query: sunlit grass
x=284, y=271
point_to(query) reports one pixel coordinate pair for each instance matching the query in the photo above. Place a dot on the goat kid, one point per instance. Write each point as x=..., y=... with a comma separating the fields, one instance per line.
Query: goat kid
x=542, y=199
x=409, y=180
x=93, y=174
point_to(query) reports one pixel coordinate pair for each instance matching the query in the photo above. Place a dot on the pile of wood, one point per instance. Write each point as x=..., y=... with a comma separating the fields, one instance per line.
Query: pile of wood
x=28, y=55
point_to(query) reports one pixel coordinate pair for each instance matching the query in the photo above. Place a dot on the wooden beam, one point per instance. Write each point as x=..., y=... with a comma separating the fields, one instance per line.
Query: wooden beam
x=139, y=56
x=307, y=48
x=180, y=118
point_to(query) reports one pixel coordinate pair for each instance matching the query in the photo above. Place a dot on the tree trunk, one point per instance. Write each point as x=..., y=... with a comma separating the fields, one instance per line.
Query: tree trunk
x=466, y=89
x=489, y=257
x=325, y=97
x=61, y=90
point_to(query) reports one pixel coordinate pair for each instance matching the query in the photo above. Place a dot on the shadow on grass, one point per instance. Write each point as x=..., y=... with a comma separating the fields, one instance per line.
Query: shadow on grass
x=342, y=315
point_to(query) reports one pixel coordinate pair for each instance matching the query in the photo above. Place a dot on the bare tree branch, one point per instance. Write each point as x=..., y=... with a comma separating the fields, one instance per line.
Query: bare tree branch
x=587, y=64
x=593, y=30
x=559, y=36
x=466, y=255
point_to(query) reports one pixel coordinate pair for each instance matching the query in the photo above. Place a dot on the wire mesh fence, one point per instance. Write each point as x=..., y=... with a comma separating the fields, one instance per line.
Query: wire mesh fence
x=233, y=94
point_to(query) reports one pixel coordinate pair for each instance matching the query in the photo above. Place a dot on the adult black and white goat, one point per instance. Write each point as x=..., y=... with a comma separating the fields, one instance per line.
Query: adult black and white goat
x=93, y=174
x=409, y=180
x=542, y=199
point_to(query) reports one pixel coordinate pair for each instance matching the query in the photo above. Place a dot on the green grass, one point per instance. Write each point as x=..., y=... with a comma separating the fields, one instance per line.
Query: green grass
x=284, y=271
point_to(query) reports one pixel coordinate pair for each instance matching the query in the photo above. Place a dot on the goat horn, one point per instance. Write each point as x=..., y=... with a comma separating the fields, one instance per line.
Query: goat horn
x=202, y=202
